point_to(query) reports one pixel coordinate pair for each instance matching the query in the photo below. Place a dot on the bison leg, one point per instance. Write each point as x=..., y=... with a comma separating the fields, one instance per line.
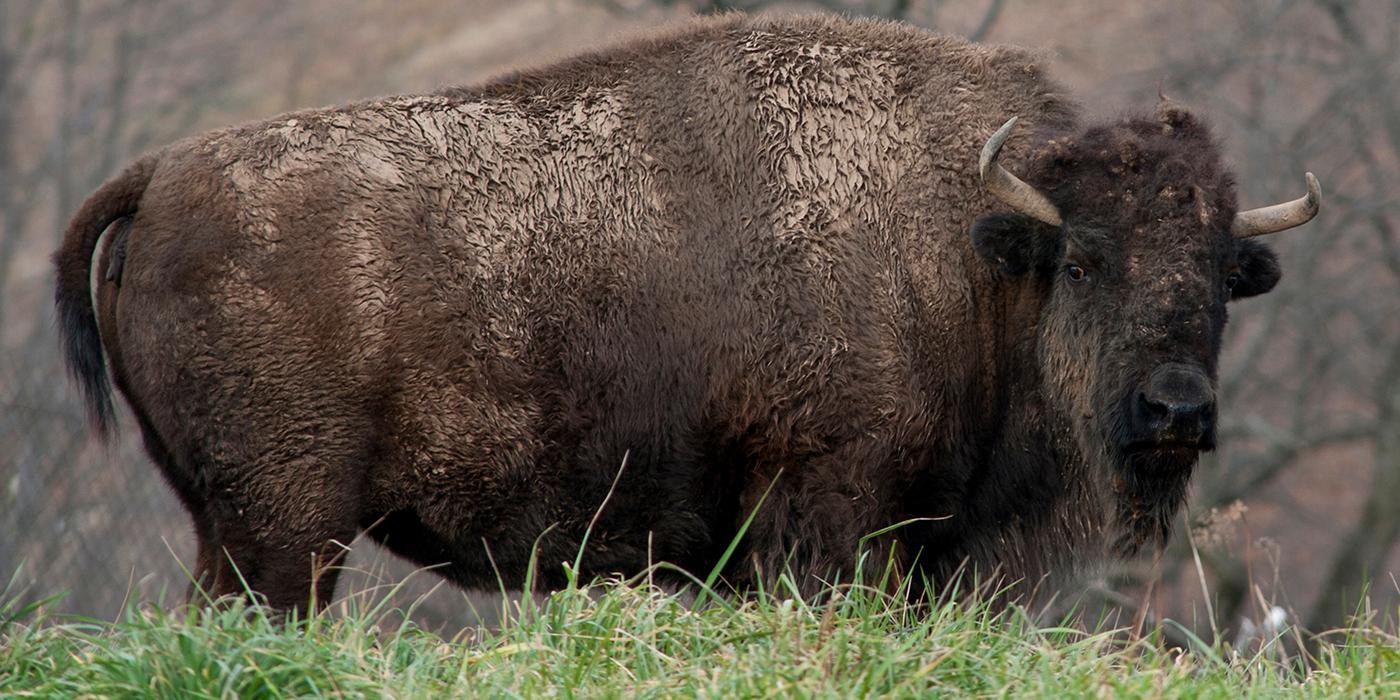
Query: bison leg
x=287, y=571
x=210, y=571
x=285, y=575
x=279, y=531
x=814, y=518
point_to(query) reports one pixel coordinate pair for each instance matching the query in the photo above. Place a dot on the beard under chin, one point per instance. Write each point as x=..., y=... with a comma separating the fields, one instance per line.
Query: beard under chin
x=1150, y=486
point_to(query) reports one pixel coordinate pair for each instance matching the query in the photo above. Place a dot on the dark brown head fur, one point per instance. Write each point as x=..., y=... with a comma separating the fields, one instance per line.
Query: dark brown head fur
x=1136, y=281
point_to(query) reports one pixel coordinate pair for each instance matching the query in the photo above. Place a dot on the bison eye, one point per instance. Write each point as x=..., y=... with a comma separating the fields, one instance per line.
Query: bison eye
x=1076, y=273
x=1231, y=280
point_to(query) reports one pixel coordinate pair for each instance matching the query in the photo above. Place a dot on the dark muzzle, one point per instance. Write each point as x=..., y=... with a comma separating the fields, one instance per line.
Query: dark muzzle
x=1176, y=408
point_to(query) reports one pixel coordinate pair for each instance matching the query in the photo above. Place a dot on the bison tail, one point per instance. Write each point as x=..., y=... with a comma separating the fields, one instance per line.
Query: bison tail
x=77, y=320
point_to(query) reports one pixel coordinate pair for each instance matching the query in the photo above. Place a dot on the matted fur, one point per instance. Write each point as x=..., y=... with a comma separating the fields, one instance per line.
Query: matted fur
x=736, y=254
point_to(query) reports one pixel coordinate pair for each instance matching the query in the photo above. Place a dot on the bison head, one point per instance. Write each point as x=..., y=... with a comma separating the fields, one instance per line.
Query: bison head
x=1134, y=239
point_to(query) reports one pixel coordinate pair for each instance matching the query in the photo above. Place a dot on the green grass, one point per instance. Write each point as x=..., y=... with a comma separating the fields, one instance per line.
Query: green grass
x=633, y=640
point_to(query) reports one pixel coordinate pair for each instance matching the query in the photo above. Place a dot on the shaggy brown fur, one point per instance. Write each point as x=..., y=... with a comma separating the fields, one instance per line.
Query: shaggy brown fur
x=736, y=254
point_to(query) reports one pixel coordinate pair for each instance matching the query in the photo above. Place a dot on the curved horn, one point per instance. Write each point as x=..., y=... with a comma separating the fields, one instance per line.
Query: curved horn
x=1266, y=220
x=1009, y=188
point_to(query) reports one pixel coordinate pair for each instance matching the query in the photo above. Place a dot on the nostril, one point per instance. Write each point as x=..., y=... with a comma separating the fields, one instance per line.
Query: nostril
x=1153, y=406
x=1185, y=409
x=1176, y=404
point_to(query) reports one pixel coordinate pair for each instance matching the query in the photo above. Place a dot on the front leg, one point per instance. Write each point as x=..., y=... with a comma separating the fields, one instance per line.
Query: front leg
x=815, y=515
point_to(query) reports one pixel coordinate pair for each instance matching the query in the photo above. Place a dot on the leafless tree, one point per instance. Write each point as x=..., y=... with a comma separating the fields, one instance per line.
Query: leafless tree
x=84, y=86
x=1311, y=380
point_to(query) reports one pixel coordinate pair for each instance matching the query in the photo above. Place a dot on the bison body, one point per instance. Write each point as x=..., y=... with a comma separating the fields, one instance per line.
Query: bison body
x=747, y=257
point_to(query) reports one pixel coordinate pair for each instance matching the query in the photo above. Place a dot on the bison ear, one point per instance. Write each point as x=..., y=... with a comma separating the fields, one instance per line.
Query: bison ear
x=1259, y=270
x=1015, y=243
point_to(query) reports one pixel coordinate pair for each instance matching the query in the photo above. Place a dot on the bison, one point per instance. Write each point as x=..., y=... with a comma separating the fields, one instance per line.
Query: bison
x=766, y=267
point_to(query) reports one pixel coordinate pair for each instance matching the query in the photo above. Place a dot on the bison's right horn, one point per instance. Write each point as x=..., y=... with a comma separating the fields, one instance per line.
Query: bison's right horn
x=1009, y=188
x=1266, y=220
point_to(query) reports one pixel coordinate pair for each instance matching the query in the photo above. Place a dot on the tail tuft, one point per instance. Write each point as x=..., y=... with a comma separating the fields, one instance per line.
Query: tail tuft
x=77, y=321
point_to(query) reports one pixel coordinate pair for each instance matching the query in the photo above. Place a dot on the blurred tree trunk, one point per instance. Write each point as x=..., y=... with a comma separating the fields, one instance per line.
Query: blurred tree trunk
x=1363, y=553
x=1361, y=557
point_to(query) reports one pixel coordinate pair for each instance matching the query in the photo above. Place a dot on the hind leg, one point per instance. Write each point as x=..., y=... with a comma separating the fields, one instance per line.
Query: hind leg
x=274, y=517
x=210, y=573
x=287, y=573
x=280, y=534
x=277, y=527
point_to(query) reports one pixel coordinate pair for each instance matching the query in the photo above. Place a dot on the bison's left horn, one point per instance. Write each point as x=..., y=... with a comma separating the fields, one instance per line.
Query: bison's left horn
x=1009, y=188
x=1266, y=220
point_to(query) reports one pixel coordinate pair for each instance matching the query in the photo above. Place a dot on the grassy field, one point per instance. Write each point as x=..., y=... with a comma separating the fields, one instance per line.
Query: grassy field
x=621, y=640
